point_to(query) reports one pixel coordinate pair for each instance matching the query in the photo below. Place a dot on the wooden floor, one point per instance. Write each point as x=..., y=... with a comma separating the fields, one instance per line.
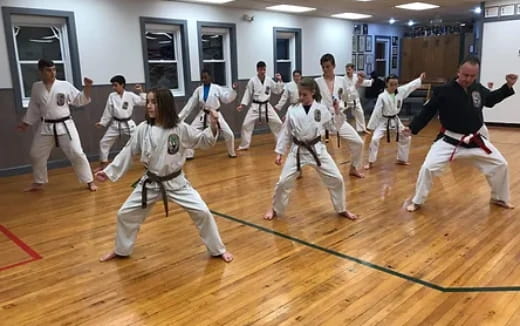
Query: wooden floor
x=454, y=262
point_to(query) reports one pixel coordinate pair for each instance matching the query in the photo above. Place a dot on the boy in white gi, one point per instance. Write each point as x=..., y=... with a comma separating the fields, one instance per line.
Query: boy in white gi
x=385, y=119
x=351, y=94
x=118, y=116
x=304, y=124
x=459, y=104
x=290, y=91
x=49, y=110
x=259, y=89
x=162, y=141
x=331, y=89
x=208, y=97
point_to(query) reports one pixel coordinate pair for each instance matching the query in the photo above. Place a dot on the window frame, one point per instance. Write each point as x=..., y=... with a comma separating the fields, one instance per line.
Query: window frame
x=230, y=48
x=69, y=51
x=181, y=52
x=295, y=47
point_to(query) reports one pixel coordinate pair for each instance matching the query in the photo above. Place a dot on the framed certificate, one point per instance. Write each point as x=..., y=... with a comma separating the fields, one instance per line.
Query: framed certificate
x=491, y=12
x=361, y=43
x=360, y=62
x=394, y=62
x=368, y=43
x=508, y=10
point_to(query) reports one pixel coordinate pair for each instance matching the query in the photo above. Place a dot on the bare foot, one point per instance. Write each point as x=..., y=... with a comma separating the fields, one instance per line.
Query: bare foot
x=369, y=166
x=271, y=214
x=355, y=173
x=411, y=206
x=34, y=187
x=501, y=203
x=232, y=156
x=111, y=255
x=351, y=216
x=402, y=162
x=227, y=257
x=92, y=186
x=242, y=149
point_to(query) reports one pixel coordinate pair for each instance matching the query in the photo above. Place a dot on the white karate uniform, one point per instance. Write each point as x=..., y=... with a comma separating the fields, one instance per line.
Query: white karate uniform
x=163, y=152
x=351, y=97
x=122, y=108
x=389, y=105
x=257, y=91
x=54, y=105
x=494, y=166
x=217, y=95
x=346, y=131
x=290, y=93
x=307, y=127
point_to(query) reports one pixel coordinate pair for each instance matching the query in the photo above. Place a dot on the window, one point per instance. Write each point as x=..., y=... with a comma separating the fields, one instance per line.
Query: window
x=33, y=34
x=285, y=57
x=217, y=51
x=287, y=51
x=164, y=57
x=215, y=55
x=166, y=61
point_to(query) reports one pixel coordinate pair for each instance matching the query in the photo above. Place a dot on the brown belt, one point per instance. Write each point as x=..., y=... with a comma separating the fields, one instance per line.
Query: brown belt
x=151, y=177
x=308, y=146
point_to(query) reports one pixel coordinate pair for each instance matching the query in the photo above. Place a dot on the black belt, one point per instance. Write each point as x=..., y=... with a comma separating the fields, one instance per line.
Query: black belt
x=457, y=142
x=389, y=118
x=205, y=123
x=150, y=177
x=119, y=124
x=122, y=120
x=260, y=110
x=308, y=146
x=54, y=122
x=475, y=142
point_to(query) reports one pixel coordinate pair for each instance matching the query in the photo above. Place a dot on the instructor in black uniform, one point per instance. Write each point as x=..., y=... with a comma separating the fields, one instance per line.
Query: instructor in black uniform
x=459, y=104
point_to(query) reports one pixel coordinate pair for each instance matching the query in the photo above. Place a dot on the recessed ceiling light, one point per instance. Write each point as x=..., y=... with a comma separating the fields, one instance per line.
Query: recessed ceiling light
x=477, y=10
x=417, y=6
x=411, y=23
x=364, y=0
x=290, y=8
x=392, y=21
x=217, y=2
x=351, y=15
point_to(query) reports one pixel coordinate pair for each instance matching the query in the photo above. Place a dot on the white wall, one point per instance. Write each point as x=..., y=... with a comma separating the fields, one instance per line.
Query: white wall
x=388, y=30
x=500, y=56
x=109, y=39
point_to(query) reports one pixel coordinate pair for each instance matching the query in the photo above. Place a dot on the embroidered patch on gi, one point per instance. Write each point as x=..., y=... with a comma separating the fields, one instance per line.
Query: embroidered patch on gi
x=60, y=99
x=125, y=105
x=477, y=100
x=267, y=89
x=317, y=115
x=173, y=144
